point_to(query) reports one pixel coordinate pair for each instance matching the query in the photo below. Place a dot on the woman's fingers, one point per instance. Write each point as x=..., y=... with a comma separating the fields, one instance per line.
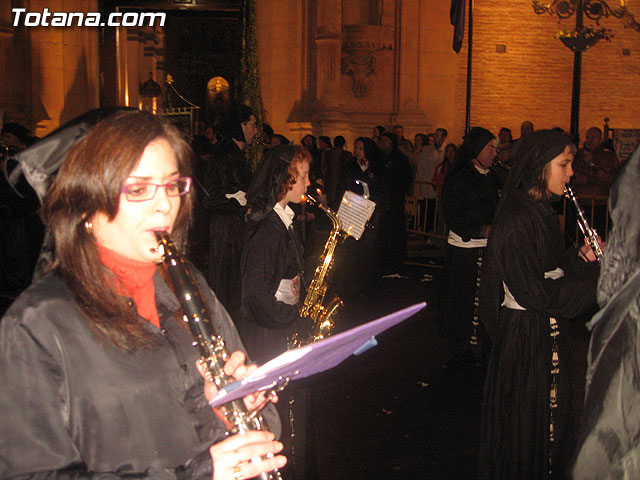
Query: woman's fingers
x=245, y=455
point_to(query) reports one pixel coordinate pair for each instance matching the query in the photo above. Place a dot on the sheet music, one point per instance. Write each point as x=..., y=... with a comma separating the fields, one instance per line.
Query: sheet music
x=354, y=212
x=313, y=358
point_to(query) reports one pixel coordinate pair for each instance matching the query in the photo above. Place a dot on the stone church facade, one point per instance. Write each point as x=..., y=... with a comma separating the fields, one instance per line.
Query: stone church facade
x=328, y=67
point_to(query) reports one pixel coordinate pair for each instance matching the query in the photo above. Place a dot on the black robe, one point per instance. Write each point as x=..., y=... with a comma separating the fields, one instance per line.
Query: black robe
x=469, y=201
x=271, y=253
x=357, y=262
x=228, y=173
x=75, y=406
x=525, y=242
x=397, y=177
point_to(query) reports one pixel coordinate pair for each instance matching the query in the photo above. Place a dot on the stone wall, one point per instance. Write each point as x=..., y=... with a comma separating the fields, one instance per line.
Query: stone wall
x=342, y=66
x=54, y=72
x=520, y=71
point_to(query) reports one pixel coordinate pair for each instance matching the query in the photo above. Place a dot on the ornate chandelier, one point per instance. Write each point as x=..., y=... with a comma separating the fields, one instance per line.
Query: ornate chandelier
x=593, y=9
x=583, y=37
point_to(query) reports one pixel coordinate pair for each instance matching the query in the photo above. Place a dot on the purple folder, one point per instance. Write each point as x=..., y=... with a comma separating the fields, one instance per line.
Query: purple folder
x=313, y=358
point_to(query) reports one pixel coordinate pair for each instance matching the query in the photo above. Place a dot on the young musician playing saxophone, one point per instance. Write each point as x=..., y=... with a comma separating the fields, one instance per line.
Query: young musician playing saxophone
x=98, y=371
x=272, y=268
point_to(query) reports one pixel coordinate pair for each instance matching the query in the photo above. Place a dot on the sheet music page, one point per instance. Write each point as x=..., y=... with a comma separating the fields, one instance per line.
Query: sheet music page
x=354, y=213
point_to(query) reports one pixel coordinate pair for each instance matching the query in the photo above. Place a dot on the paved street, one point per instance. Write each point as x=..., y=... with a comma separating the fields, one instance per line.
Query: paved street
x=396, y=411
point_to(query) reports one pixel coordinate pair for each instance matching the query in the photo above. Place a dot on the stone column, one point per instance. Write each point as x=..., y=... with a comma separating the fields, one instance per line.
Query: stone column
x=328, y=60
x=407, y=90
x=64, y=68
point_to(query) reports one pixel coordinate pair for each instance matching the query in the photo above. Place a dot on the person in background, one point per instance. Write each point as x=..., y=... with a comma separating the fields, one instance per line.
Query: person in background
x=309, y=141
x=443, y=167
x=267, y=133
x=279, y=139
x=376, y=132
x=469, y=201
x=596, y=167
x=404, y=145
x=531, y=286
x=337, y=159
x=396, y=179
x=504, y=136
x=357, y=268
x=526, y=128
x=98, y=371
x=211, y=134
x=432, y=156
x=226, y=182
x=420, y=142
x=198, y=250
x=324, y=147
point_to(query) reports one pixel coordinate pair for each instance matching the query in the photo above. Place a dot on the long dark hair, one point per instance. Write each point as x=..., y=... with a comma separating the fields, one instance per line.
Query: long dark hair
x=371, y=152
x=90, y=181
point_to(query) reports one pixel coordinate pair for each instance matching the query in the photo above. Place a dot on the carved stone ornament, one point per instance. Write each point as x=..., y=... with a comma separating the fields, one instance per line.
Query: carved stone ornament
x=360, y=68
x=359, y=45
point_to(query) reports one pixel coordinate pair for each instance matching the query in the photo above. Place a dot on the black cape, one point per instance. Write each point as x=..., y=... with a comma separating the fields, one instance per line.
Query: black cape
x=75, y=406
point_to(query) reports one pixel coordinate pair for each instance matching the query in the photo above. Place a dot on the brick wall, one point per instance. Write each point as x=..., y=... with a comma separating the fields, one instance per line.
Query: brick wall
x=532, y=79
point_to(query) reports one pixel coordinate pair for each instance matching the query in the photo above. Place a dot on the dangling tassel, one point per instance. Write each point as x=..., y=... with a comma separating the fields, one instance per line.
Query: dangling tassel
x=553, y=392
x=476, y=305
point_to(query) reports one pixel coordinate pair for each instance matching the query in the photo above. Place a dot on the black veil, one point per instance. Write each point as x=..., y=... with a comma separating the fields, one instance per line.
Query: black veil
x=40, y=163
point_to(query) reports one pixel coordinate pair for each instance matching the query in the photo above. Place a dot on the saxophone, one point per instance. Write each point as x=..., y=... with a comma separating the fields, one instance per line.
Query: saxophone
x=589, y=233
x=313, y=306
x=213, y=353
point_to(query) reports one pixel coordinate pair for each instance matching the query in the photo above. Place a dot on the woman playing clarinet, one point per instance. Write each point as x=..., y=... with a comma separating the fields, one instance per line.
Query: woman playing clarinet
x=530, y=286
x=97, y=368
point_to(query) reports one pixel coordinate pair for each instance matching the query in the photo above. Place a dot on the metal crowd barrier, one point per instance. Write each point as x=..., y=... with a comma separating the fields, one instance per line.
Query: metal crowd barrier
x=423, y=216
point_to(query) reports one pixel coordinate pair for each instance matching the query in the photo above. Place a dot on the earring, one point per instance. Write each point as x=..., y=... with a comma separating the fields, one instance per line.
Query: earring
x=88, y=226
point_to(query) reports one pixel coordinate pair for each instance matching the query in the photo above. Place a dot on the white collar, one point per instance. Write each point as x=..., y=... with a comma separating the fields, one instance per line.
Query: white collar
x=483, y=171
x=285, y=214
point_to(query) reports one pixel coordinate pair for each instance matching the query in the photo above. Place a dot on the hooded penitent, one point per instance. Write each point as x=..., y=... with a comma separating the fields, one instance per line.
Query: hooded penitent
x=474, y=142
x=530, y=157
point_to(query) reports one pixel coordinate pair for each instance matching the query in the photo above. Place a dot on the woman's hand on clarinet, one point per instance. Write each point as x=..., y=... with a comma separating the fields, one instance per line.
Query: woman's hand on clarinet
x=235, y=367
x=586, y=252
x=246, y=455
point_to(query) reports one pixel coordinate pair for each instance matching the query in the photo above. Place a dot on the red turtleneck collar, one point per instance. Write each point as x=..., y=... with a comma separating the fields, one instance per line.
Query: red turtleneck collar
x=136, y=279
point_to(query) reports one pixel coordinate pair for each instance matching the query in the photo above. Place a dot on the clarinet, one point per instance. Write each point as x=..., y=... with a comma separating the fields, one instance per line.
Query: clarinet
x=589, y=233
x=213, y=352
